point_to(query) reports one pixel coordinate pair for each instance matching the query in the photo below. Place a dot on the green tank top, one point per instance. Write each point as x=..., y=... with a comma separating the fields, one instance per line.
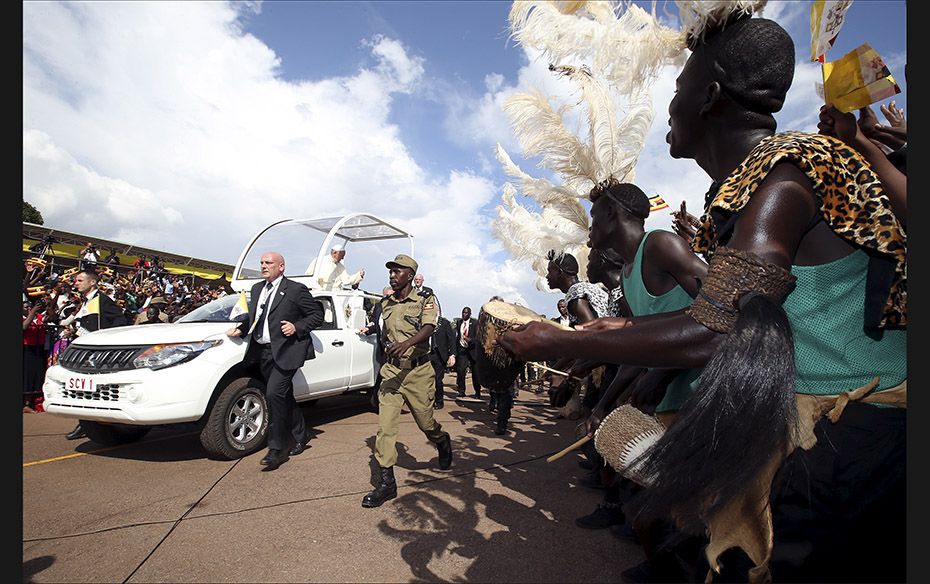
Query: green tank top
x=832, y=353
x=643, y=303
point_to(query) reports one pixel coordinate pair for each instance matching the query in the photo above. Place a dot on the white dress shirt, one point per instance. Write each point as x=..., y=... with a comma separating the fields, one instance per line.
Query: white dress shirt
x=265, y=300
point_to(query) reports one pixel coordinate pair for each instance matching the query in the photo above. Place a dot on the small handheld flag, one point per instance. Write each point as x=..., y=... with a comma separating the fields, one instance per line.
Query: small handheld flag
x=858, y=79
x=656, y=203
x=93, y=305
x=827, y=18
x=241, y=307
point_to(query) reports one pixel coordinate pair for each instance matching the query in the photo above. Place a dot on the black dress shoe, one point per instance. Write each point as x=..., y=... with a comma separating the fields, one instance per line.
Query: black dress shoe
x=299, y=447
x=273, y=460
x=75, y=434
x=437, y=405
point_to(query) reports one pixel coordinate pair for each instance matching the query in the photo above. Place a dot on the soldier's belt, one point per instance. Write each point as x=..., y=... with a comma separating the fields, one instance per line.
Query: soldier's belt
x=408, y=363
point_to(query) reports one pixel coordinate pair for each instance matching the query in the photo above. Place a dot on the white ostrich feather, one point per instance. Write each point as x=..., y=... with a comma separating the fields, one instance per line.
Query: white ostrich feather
x=541, y=131
x=628, y=50
x=539, y=189
x=572, y=211
x=697, y=15
x=530, y=235
x=527, y=234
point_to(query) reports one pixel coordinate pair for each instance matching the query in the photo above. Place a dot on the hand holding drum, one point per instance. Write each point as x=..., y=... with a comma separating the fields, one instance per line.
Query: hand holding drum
x=496, y=367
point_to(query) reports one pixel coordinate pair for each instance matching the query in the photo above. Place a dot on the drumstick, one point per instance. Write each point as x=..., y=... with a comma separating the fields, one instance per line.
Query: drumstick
x=556, y=371
x=574, y=445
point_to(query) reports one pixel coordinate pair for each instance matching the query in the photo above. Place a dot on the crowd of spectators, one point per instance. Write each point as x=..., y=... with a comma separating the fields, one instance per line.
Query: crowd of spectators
x=146, y=294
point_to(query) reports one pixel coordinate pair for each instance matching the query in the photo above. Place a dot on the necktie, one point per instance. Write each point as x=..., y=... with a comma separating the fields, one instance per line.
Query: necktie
x=260, y=323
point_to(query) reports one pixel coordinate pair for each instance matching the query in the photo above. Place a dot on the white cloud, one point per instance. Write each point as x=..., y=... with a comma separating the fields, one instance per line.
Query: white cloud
x=183, y=137
x=70, y=189
x=195, y=113
x=395, y=64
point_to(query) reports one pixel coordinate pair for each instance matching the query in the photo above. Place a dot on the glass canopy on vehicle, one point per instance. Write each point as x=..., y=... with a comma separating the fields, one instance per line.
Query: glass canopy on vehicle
x=369, y=242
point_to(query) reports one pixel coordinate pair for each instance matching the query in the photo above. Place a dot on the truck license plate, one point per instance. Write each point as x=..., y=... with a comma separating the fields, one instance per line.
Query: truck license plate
x=80, y=383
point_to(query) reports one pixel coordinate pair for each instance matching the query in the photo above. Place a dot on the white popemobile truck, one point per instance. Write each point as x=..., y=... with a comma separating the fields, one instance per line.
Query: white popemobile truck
x=120, y=382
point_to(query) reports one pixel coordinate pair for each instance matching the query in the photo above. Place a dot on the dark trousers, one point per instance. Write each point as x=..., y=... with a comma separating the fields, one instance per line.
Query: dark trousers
x=464, y=360
x=439, y=366
x=283, y=412
x=34, y=362
x=840, y=508
x=504, y=401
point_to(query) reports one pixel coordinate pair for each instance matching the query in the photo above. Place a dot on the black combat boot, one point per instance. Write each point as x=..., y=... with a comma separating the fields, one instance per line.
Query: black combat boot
x=386, y=489
x=445, y=452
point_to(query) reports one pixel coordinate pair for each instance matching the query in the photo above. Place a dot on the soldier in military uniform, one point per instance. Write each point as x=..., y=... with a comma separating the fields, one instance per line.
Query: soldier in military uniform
x=407, y=375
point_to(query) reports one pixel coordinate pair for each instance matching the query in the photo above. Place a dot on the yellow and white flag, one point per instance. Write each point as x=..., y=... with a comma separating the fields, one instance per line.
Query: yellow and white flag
x=827, y=17
x=241, y=307
x=858, y=79
x=93, y=305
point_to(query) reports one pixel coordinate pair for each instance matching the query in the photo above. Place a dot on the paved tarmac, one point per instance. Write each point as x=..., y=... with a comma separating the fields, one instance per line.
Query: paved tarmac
x=159, y=510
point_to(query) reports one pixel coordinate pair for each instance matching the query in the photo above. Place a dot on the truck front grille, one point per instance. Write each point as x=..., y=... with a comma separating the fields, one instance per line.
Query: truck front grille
x=106, y=392
x=99, y=359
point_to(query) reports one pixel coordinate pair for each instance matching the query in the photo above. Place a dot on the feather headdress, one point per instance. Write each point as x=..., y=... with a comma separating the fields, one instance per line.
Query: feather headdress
x=629, y=48
x=609, y=155
x=624, y=54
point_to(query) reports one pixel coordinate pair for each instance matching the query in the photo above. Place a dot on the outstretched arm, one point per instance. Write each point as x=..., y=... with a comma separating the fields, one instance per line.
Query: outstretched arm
x=770, y=226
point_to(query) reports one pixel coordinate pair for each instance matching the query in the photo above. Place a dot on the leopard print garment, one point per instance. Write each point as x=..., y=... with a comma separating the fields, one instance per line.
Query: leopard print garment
x=853, y=202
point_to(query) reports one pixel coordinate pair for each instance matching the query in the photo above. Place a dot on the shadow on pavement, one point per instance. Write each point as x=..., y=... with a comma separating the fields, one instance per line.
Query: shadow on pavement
x=444, y=516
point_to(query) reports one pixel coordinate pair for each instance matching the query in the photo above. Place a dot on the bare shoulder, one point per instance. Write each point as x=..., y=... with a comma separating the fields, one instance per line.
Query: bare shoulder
x=665, y=241
x=665, y=248
x=777, y=215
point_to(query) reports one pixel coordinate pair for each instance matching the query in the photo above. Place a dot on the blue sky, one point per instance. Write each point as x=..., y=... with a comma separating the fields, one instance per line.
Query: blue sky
x=161, y=123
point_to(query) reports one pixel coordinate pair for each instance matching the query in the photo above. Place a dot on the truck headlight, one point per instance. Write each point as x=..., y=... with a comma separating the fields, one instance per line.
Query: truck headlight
x=161, y=356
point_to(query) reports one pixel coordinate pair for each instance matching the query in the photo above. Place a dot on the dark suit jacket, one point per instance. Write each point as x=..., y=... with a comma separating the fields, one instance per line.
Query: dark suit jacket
x=443, y=340
x=111, y=315
x=294, y=303
x=472, y=331
x=374, y=328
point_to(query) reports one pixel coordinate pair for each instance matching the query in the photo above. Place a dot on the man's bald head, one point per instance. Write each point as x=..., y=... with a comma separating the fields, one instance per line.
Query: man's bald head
x=272, y=265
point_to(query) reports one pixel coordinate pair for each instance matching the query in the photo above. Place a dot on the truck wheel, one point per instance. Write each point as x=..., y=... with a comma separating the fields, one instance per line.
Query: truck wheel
x=238, y=423
x=113, y=434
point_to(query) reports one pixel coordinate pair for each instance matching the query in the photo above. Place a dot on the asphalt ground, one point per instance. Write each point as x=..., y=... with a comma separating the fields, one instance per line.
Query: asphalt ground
x=160, y=510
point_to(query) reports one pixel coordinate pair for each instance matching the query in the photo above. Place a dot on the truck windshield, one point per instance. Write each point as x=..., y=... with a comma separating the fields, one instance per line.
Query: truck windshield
x=215, y=311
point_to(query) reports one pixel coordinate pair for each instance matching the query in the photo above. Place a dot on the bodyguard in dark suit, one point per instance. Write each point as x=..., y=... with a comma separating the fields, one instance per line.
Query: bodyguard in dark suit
x=441, y=354
x=282, y=313
x=466, y=350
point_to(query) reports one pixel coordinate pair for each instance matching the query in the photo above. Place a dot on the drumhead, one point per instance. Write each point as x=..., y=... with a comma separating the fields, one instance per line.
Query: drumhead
x=513, y=313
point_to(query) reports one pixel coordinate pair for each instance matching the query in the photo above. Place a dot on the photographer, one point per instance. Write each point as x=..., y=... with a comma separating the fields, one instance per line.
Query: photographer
x=89, y=257
x=112, y=259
